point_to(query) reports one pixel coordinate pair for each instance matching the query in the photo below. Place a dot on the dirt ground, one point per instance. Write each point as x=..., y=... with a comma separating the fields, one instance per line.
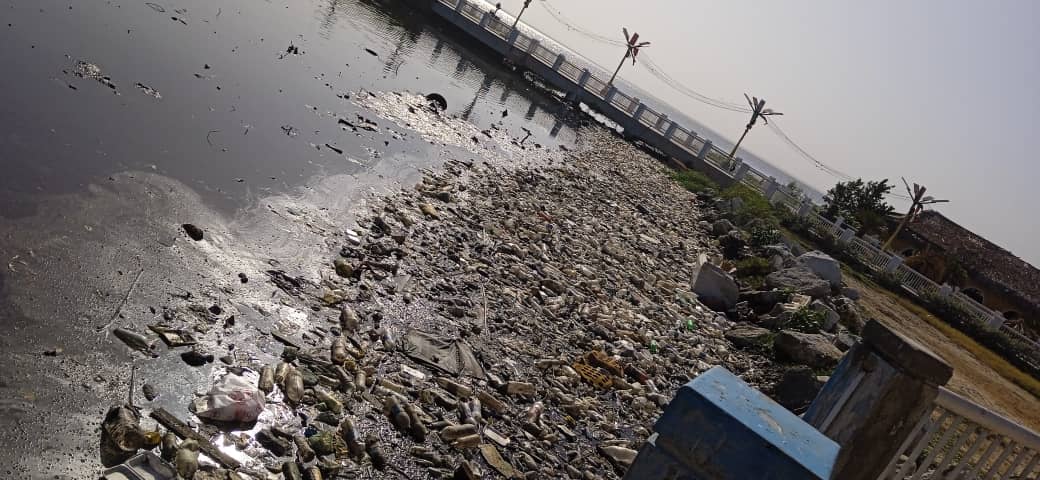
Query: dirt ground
x=972, y=378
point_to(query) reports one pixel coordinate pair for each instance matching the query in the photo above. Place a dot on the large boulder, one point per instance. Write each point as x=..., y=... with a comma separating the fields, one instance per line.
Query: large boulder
x=823, y=266
x=721, y=227
x=849, y=315
x=797, y=388
x=809, y=349
x=799, y=280
x=829, y=316
x=715, y=288
x=749, y=337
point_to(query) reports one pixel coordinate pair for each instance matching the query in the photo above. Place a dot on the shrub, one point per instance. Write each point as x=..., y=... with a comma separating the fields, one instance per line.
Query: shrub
x=695, y=181
x=753, y=206
x=753, y=267
x=805, y=320
x=889, y=280
x=761, y=235
x=1014, y=350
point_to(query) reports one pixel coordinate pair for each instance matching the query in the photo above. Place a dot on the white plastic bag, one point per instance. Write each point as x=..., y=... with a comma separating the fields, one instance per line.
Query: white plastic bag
x=233, y=399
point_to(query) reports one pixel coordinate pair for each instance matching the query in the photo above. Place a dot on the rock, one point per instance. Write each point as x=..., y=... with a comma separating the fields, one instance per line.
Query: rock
x=196, y=359
x=845, y=340
x=715, y=288
x=149, y=391
x=800, y=280
x=733, y=244
x=275, y=444
x=187, y=458
x=830, y=317
x=810, y=349
x=518, y=389
x=850, y=293
x=621, y=457
x=823, y=266
x=797, y=388
x=195, y=233
x=721, y=227
x=763, y=301
x=429, y=210
x=343, y=268
x=849, y=314
x=749, y=337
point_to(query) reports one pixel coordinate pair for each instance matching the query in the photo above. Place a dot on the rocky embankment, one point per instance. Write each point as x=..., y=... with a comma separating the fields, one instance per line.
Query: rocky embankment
x=514, y=322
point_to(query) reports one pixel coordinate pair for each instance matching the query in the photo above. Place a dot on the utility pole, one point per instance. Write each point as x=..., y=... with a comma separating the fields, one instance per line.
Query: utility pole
x=631, y=50
x=527, y=3
x=918, y=201
x=757, y=110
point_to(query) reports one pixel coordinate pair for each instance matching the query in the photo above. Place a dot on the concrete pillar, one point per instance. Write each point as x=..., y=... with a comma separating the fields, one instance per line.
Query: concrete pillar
x=461, y=4
x=769, y=188
x=838, y=222
x=639, y=111
x=741, y=171
x=719, y=428
x=846, y=236
x=671, y=130
x=703, y=154
x=945, y=290
x=635, y=104
x=484, y=20
x=995, y=321
x=874, y=399
x=893, y=263
x=513, y=35
x=559, y=61
x=805, y=207
x=584, y=77
x=611, y=91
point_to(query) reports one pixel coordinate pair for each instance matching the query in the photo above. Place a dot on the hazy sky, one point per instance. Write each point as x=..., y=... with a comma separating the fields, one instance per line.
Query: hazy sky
x=944, y=93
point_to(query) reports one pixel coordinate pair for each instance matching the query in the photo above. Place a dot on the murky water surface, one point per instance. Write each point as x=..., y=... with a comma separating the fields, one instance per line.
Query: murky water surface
x=121, y=119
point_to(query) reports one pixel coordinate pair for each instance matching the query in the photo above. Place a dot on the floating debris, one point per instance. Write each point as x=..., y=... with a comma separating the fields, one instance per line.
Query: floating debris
x=151, y=92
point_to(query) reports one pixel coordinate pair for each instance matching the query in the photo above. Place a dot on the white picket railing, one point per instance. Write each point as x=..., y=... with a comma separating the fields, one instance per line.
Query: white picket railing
x=963, y=440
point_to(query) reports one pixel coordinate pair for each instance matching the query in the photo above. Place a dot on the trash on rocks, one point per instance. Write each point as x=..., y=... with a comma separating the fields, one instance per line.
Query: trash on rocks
x=187, y=459
x=266, y=382
x=149, y=392
x=449, y=356
x=232, y=399
x=169, y=446
x=375, y=453
x=173, y=337
x=142, y=466
x=437, y=100
x=135, y=340
x=122, y=436
x=195, y=233
x=196, y=359
x=349, y=434
x=493, y=458
x=182, y=430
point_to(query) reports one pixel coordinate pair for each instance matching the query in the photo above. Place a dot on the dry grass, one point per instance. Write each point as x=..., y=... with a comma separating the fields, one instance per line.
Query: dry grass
x=985, y=355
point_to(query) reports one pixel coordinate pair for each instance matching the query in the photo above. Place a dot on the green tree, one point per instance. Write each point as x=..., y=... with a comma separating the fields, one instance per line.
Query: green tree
x=861, y=204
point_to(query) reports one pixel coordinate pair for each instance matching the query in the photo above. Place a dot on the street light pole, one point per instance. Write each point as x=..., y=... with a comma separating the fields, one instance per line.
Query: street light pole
x=757, y=110
x=527, y=3
x=631, y=50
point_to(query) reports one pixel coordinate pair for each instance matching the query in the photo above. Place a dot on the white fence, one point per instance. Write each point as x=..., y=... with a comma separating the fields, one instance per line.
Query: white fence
x=962, y=440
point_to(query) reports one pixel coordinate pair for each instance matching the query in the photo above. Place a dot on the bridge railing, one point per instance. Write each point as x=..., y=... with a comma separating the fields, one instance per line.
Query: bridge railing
x=963, y=440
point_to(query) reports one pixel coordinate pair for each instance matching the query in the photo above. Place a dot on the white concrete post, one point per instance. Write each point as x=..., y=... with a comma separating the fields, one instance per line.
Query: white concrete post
x=703, y=154
x=639, y=111
x=460, y=5
x=611, y=91
x=484, y=20
x=635, y=104
x=559, y=61
x=671, y=130
x=741, y=171
x=846, y=236
x=839, y=222
x=995, y=321
x=769, y=188
x=584, y=77
x=805, y=207
x=513, y=35
x=893, y=263
x=945, y=290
